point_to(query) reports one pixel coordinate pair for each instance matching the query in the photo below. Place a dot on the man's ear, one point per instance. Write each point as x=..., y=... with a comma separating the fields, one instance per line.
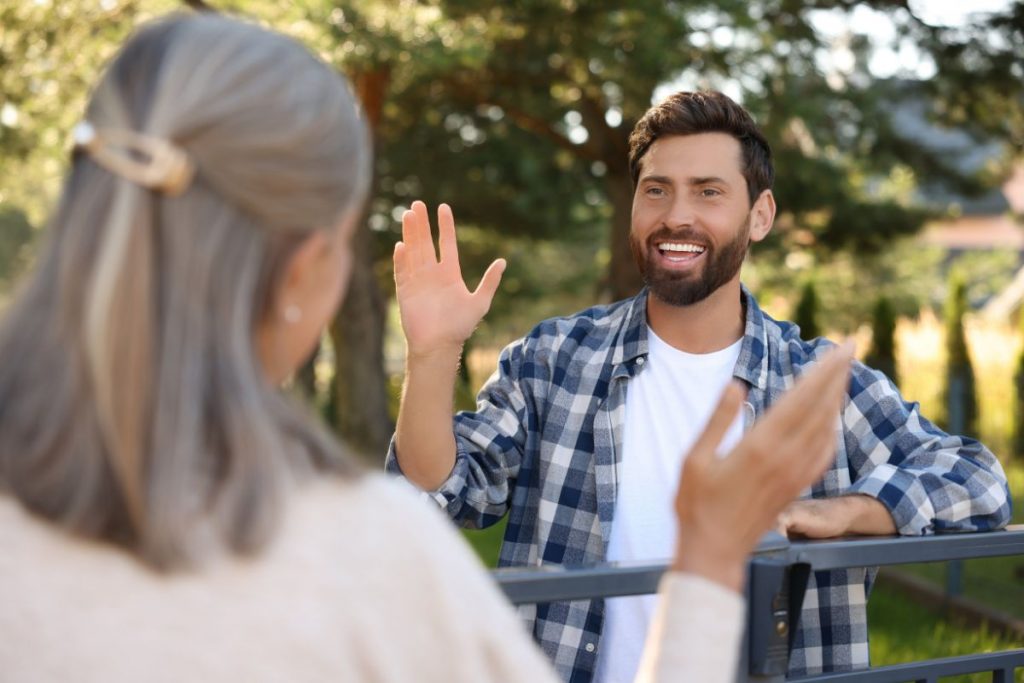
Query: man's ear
x=762, y=215
x=302, y=273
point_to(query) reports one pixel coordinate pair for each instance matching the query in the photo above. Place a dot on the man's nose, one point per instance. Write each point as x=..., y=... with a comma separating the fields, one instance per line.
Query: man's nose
x=680, y=213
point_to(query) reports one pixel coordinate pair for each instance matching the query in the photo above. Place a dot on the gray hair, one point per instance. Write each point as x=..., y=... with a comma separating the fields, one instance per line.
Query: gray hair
x=133, y=407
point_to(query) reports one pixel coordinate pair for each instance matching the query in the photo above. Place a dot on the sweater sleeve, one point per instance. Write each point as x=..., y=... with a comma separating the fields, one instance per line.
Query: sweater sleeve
x=696, y=632
x=478, y=636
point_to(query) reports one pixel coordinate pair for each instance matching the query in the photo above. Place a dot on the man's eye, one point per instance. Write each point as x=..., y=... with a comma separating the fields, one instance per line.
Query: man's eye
x=655, y=192
x=709, y=192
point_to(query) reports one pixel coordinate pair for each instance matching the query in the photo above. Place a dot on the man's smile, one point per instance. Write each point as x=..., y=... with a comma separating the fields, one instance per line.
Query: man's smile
x=679, y=254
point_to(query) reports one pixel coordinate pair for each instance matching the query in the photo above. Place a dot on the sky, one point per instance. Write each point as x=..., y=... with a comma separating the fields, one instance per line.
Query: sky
x=894, y=56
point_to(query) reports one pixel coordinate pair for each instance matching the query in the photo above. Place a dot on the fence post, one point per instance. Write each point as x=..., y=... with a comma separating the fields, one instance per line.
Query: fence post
x=775, y=594
x=956, y=410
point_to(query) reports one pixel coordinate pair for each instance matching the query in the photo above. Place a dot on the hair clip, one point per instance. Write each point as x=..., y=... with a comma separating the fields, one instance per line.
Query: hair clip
x=152, y=162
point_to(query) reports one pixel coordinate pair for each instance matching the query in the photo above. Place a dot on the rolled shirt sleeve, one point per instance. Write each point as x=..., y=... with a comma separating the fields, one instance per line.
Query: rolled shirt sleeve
x=930, y=481
x=489, y=448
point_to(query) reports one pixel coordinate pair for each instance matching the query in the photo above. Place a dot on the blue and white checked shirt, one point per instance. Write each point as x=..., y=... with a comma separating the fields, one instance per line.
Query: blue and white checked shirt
x=545, y=444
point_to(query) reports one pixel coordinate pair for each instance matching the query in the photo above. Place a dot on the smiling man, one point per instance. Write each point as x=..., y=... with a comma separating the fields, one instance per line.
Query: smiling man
x=580, y=433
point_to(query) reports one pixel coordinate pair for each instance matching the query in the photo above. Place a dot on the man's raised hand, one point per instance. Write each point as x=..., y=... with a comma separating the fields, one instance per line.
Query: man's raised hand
x=437, y=309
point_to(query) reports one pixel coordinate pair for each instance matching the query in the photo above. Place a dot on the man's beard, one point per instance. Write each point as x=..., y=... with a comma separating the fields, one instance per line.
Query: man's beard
x=684, y=289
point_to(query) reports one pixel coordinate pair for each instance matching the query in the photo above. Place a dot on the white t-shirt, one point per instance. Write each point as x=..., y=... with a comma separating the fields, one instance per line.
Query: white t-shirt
x=667, y=406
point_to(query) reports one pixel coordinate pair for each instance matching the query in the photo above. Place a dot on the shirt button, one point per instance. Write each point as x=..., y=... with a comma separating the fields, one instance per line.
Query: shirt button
x=640, y=361
x=590, y=646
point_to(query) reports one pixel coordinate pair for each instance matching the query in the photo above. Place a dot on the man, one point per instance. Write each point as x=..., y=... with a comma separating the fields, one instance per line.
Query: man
x=580, y=431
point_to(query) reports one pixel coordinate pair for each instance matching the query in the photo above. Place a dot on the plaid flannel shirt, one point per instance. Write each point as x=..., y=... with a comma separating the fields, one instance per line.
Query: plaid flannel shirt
x=545, y=443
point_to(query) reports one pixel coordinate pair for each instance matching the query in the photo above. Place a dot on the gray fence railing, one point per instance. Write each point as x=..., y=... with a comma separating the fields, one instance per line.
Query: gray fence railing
x=777, y=578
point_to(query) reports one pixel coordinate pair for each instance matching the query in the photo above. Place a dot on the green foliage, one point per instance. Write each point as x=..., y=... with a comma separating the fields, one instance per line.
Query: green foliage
x=911, y=275
x=16, y=241
x=882, y=353
x=50, y=54
x=487, y=542
x=805, y=315
x=518, y=115
x=958, y=395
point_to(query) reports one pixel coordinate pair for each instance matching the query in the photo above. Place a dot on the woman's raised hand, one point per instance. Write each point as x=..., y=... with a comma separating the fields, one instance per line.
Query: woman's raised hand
x=724, y=505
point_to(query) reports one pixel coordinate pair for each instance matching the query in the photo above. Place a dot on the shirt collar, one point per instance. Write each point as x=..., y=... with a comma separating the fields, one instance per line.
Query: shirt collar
x=752, y=365
x=632, y=342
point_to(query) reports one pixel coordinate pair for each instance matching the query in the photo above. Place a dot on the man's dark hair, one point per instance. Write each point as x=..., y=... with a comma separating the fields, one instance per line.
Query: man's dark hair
x=691, y=113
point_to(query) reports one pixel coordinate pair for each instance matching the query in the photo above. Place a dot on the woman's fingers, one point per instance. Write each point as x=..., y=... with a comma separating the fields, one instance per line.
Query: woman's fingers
x=807, y=396
x=804, y=448
x=401, y=257
x=718, y=424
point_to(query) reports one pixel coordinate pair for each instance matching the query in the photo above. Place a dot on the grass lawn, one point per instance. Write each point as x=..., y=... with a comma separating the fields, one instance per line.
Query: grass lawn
x=487, y=542
x=902, y=631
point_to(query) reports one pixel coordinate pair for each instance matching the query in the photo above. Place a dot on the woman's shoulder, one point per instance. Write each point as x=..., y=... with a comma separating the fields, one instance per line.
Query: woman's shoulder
x=382, y=515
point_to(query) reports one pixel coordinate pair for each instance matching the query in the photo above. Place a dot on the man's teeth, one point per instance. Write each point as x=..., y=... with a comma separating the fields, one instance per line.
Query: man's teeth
x=681, y=246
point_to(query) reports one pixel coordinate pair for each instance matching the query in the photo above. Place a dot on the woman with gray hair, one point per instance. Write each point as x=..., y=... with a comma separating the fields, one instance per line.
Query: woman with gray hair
x=166, y=513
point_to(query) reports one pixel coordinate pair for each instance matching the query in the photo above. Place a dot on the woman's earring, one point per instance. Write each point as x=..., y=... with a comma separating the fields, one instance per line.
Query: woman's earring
x=292, y=314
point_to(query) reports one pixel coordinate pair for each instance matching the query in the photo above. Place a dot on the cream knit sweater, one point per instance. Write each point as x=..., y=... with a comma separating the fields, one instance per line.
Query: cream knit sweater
x=363, y=582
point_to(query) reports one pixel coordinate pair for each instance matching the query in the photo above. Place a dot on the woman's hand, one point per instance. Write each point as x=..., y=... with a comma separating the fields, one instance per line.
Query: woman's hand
x=725, y=505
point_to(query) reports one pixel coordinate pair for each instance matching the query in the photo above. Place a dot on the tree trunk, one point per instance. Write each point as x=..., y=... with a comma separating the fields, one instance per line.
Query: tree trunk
x=359, y=386
x=359, y=398
x=305, y=378
x=623, y=277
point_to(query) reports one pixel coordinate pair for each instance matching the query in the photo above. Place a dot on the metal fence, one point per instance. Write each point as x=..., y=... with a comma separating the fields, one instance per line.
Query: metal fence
x=777, y=578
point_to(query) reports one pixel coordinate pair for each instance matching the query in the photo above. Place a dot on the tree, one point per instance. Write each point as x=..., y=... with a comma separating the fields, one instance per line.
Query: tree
x=519, y=114
x=958, y=395
x=50, y=54
x=805, y=315
x=882, y=353
x=554, y=88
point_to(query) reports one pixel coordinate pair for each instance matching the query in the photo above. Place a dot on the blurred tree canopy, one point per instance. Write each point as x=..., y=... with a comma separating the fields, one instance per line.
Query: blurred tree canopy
x=518, y=115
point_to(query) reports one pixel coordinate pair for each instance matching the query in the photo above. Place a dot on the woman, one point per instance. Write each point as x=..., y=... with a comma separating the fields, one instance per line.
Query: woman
x=167, y=514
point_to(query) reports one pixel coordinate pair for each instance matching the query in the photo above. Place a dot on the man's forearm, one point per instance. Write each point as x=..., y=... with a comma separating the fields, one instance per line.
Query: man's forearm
x=851, y=515
x=424, y=440
x=867, y=516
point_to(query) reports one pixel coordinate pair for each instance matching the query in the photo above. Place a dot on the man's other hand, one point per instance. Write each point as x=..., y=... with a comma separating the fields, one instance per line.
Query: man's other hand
x=855, y=515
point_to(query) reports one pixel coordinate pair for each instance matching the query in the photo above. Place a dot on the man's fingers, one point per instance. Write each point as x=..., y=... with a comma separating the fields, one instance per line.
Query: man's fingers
x=423, y=242
x=401, y=258
x=446, y=242
x=782, y=524
x=489, y=284
x=416, y=236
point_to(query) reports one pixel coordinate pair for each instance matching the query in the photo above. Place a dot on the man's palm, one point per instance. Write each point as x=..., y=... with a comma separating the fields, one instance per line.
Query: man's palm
x=437, y=309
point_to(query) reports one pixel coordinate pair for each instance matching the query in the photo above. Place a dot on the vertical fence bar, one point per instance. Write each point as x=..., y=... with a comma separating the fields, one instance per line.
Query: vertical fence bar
x=775, y=596
x=957, y=412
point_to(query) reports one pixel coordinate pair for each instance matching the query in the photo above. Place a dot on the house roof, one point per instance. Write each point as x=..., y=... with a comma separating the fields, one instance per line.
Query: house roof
x=975, y=232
